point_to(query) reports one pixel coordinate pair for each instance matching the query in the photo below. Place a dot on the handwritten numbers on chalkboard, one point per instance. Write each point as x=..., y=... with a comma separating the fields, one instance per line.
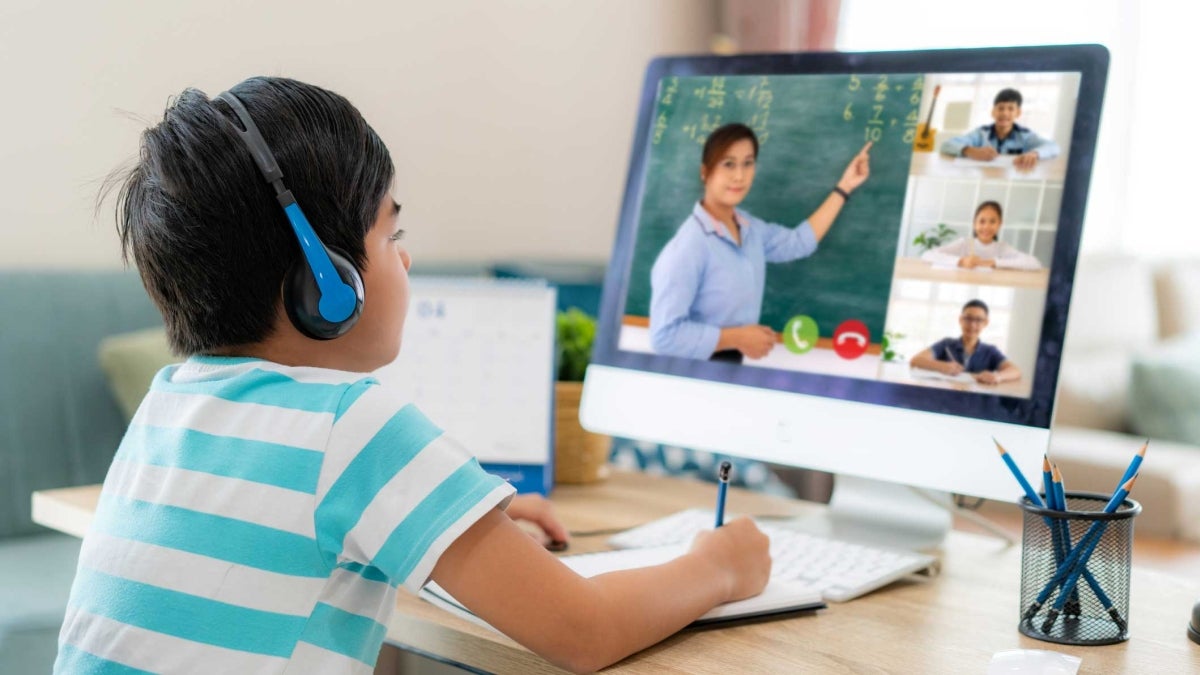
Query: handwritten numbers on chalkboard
x=881, y=89
x=848, y=114
x=910, y=125
x=669, y=91
x=918, y=86
x=912, y=120
x=855, y=83
x=714, y=92
x=660, y=127
x=876, y=115
x=873, y=134
x=699, y=131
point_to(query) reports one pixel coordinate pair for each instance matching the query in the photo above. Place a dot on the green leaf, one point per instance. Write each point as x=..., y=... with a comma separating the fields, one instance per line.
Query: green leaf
x=576, y=333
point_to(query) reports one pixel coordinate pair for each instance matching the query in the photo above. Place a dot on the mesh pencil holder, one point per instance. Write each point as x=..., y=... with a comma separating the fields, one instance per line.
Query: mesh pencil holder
x=1075, y=567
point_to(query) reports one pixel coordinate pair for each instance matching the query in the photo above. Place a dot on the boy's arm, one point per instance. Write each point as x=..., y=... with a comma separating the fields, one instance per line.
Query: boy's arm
x=585, y=624
x=954, y=147
x=1044, y=147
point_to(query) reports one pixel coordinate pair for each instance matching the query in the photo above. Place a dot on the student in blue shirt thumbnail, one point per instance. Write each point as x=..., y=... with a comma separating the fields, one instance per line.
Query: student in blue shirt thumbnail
x=1003, y=137
x=707, y=283
x=952, y=356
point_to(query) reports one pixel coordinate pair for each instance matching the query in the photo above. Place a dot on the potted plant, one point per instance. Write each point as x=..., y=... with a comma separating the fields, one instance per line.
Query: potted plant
x=934, y=237
x=579, y=456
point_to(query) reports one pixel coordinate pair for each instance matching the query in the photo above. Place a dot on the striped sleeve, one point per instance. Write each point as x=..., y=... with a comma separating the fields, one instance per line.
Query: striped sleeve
x=394, y=491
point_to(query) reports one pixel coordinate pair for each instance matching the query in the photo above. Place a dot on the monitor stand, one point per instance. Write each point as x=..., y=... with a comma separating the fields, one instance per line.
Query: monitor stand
x=882, y=514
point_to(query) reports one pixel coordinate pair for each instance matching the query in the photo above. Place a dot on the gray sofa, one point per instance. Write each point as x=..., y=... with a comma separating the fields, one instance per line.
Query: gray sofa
x=59, y=426
x=1131, y=372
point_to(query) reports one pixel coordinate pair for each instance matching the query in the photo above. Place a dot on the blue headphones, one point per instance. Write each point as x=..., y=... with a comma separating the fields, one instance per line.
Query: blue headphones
x=323, y=291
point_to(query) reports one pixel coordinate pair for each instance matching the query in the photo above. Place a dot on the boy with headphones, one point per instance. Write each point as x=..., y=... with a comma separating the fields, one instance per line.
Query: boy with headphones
x=269, y=496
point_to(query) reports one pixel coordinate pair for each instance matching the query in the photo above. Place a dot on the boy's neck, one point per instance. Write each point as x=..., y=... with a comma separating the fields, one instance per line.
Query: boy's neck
x=288, y=347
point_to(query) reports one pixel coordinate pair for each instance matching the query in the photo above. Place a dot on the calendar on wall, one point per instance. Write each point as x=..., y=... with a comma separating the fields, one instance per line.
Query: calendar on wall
x=477, y=357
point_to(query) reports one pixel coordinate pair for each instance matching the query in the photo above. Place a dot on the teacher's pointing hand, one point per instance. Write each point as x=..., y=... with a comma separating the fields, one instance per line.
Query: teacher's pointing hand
x=860, y=168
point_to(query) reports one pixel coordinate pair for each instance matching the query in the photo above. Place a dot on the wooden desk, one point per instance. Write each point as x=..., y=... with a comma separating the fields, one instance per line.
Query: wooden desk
x=949, y=624
x=902, y=373
x=937, y=164
x=915, y=268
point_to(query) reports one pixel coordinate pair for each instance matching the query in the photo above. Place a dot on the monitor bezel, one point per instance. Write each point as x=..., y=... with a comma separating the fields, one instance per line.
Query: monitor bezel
x=1090, y=61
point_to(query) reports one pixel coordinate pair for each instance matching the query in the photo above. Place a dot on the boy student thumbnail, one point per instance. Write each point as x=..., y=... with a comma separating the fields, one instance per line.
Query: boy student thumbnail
x=1003, y=137
x=951, y=356
x=269, y=497
x=982, y=249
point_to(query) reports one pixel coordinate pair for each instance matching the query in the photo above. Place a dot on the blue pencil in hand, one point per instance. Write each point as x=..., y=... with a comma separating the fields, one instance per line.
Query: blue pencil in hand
x=722, y=488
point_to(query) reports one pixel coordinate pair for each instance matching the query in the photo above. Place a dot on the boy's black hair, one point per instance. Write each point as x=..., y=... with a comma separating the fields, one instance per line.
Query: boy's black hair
x=721, y=138
x=1007, y=95
x=209, y=240
x=976, y=303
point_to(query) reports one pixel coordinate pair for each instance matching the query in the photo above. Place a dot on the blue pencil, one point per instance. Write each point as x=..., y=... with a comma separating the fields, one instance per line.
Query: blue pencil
x=1012, y=466
x=1060, y=496
x=1135, y=464
x=1066, y=569
x=722, y=488
x=1060, y=534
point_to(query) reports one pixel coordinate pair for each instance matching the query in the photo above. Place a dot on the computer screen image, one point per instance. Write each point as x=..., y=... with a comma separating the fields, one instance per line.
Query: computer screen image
x=854, y=250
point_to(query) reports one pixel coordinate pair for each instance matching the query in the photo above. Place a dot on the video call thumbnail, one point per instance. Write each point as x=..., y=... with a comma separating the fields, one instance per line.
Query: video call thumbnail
x=889, y=227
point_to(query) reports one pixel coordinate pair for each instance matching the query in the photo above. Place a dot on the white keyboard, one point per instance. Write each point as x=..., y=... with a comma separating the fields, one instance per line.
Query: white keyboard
x=840, y=570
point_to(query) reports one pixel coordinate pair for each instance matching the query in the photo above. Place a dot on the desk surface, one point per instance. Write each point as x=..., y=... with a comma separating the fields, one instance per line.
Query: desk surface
x=937, y=164
x=903, y=373
x=915, y=268
x=950, y=624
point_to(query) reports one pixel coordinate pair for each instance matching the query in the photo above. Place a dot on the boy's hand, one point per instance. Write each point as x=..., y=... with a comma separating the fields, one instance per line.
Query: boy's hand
x=538, y=510
x=1026, y=161
x=741, y=552
x=984, y=154
x=951, y=368
x=987, y=377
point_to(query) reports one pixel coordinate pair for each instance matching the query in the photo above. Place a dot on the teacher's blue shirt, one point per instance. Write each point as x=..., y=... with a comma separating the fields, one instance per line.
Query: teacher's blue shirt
x=702, y=281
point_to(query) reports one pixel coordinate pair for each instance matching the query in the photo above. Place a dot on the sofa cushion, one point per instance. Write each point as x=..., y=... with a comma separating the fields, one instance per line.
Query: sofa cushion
x=1093, y=390
x=1164, y=392
x=1112, y=305
x=1178, y=302
x=35, y=580
x=1168, y=484
x=130, y=360
x=60, y=424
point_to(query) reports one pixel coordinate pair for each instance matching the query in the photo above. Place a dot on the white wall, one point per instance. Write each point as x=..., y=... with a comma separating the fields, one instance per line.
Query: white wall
x=510, y=121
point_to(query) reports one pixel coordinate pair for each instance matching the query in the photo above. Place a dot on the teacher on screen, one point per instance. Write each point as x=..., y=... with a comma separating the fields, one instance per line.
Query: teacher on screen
x=707, y=283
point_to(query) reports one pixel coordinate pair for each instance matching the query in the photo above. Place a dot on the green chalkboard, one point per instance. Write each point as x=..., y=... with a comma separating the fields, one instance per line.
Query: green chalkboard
x=809, y=128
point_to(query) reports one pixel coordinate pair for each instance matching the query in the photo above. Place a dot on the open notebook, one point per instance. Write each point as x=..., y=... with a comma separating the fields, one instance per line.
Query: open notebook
x=777, y=598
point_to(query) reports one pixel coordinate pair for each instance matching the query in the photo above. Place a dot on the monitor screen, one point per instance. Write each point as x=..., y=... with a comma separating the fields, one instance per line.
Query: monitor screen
x=879, y=239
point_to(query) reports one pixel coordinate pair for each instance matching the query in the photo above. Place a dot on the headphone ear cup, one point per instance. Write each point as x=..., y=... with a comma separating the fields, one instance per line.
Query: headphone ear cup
x=302, y=296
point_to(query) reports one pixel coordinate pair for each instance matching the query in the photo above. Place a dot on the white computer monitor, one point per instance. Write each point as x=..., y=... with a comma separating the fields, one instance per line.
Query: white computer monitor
x=841, y=398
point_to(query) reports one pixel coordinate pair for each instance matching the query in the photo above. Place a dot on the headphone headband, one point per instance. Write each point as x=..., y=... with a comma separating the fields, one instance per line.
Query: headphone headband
x=325, y=300
x=263, y=157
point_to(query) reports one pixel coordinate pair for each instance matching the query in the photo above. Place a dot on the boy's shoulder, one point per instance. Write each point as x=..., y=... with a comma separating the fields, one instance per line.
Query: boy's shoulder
x=235, y=380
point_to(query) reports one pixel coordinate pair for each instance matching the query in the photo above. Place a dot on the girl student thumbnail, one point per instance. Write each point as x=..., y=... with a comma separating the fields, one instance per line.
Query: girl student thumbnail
x=707, y=283
x=982, y=250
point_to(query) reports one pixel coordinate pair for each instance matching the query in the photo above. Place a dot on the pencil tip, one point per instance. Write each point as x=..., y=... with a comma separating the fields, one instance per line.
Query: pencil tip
x=1045, y=464
x=1055, y=474
x=998, y=446
x=1129, y=483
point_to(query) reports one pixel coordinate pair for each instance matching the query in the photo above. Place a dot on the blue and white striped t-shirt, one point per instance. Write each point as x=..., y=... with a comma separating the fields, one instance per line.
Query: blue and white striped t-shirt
x=257, y=518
